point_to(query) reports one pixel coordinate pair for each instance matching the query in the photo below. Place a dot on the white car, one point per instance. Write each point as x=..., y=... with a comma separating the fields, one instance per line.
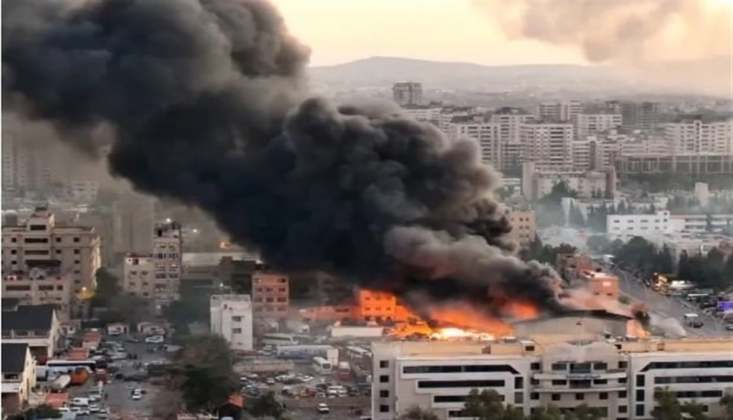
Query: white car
x=81, y=410
x=94, y=408
x=323, y=408
x=156, y=339
x=137, y=397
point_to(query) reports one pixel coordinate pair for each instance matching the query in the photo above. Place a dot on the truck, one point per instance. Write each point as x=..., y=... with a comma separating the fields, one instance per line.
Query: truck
x=344, y=371
x=61, y=382
x=693, y=320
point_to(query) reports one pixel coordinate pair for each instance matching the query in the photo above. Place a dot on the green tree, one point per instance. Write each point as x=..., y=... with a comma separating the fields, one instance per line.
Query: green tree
x=418, y=413
x=42, y=411
x=488, y=405
x=266, y=406
x=583, y=412
x=202, y=373
x=667, y=407
x=727, y=403
x=546, y=413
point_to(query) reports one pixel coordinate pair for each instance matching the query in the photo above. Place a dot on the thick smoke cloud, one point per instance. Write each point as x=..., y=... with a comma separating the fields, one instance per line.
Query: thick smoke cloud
x=207, y=102
x=642, y=38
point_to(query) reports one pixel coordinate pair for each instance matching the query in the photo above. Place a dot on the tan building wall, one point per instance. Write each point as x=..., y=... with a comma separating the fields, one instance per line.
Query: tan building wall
x=524, y=226
x=138, y=274
x=41, y=239
x=270, y=295
x=38, y=287
x=168, y=260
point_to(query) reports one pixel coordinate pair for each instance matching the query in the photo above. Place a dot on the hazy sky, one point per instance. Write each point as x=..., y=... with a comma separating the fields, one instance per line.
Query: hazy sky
x=465, y=30
x=447, y=30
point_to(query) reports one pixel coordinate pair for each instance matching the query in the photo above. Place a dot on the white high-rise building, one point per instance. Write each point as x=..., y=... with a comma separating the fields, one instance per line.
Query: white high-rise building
x=548, y=144
x=559, y=111
x=697, y=137
x=589, y=124
x=487, y=136
x=167, y=250
x=510, y=122
x=616, y=377
x=231, y=317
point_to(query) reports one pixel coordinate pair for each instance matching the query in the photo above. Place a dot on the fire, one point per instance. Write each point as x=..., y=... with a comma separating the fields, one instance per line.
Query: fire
x=520, y=310
x=634, y=328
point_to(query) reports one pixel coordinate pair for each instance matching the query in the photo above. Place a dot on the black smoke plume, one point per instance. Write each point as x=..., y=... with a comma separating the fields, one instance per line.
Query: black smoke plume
x=207, y=102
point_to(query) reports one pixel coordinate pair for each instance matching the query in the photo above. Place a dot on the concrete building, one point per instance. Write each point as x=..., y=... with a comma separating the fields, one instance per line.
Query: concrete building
x=39, y=285
x=690, y=164
x=425, y=113
x=375, y=306
x=167, y=257
x=559, y=111
x=699, y=138
x=639, y=116
x=406, y=94
x=37, y=326
x=630, y=225
x=19, y=376
x=138, y=274
x=232, y=318
x=618, y=378
x=548, y=144
x=485, y=134
x=589, y=124
x=524, y=226
x=40, y=239
x=270, y=295
x=510, y=122
x=538, y=182
x=133, y=220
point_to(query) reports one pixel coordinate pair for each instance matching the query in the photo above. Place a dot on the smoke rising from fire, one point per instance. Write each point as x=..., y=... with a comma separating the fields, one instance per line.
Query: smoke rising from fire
x=207, y=103
x=642, y=38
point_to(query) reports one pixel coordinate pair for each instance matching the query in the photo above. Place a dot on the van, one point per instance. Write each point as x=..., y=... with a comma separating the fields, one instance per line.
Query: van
x=693, y=320
x=80, y=402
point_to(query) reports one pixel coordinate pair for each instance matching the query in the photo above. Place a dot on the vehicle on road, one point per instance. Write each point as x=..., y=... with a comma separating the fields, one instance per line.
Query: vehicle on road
x=155, y=339
x=323, y=408
x=729, y=327
x=693, y=320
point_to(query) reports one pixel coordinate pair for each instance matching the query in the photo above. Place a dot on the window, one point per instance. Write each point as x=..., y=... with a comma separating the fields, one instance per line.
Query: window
x=384, y=379
x=534, y=396
x=384, y=409
x=600, y=366
x=559, y=366
x=603, y=396
x=640, y=395
x=555, y=397
x=639, y=410
x=459, y=369
x=623, y=409
x=383, y=393
x=76, y=239
x=237, y=318
x=622, y=381
x=518, y=382
x=236, y=330
x=622, y=394
x=559, y=382
x=640, y=380
x=518, y=398
x=383, y=364
x=580, y=397
x=536, y=366
x=77, y=252
x=471, y=383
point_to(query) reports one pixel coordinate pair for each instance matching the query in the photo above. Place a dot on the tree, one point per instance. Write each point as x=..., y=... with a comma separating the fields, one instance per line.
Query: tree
x=583, y=412
x=598, y=243
x=488, y=405
x=108, y=287
x=546, y=413
x=266, y=406
x=42, y=411
x=418, y=413
x=667, y=407
x=727, y=403
x=202, y=373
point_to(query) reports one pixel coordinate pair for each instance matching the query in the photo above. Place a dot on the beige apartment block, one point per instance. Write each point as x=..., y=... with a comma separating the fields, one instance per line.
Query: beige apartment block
x=524, y=226
x=271, y=295
x=39, y=286
x=40, y=239
x=138, y=274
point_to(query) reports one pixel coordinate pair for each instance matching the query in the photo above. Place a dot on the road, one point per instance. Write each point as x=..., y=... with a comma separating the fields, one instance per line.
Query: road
x=668, y=307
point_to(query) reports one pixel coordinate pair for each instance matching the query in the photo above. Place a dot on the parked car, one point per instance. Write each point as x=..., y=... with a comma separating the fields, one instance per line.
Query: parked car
x=323, y=408
x=155, y=339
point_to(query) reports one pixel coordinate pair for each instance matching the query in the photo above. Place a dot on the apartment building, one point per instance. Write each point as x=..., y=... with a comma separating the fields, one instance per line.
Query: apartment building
x=698, y=137
x=232, y=318
x=425, y=113
x=524, y=226
x=19, y=376
x=485, y=134
x=588, y=154
x=538, y=182
x=510, y=122
x=167, y=257
x=408, y=93
x=375, y=306
x=690, y=163
x=138, y=274
x=39, y=285
x=270, y=295
x=549, y=144
x=41, y=239
x=589, y=124
x=630, y=225
x=618, y=378
x=559, y=111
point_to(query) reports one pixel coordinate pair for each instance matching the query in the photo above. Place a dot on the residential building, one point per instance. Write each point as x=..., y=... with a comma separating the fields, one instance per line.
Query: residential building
x=697, y=137
x=138, y=274
x=510, y=122
x=548, y=144
x=630, y=225
x=425, y=113
x=167, y=257
x=639, y=116
x=133, y=220
x=19, y=376
x=599, y=283
x=524, y=227
x=559, y=111
x=408, y=93
x=40, y=239
x=375, y=306
x=37, y=326
x=588, y=154
x=485, y=134
x=589, y=124
x=271, y=295
x=538, y=182
x=701, y=223
x=616, y=377
x=690, y=164
x=232, y=318
x=41, y=284
x=449, y=115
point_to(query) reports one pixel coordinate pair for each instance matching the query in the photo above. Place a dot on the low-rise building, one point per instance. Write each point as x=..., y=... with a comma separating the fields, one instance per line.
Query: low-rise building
x=538, y=182
x=36, y=326
x=19, y=376
x=619, y=378
x=270, y=295
x=232, y=318
x=626, y=226
x=524, y=226
x=138, y=274
x=39, y=285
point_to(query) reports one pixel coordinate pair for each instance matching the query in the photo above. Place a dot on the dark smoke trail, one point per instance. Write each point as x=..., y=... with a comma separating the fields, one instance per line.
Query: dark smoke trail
x=206, y=100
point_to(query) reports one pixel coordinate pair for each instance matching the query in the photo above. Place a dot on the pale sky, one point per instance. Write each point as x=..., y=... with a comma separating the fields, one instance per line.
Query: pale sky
x=339, y=31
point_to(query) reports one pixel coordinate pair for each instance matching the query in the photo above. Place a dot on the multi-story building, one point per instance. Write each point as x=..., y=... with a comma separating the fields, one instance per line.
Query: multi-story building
x=524, y=227
x=510, y=122
x=19, y=376
x=167, y=257
x=485, y=134
x=618, y=378
x=39, y=285
x=38, y=326
x=232, y=318
x=588, y=154
x=559, y=111
x=138, y=274
x=638, y=116
x=134, y=219
x=697, y=137
x=630, y=225
x=408, y=93
x=41, y=239
x=690, y=164
x=270, y=295
x=426, y=113
x=538, y=182
x=452, y=114
x=548, y=144
x=589, y=124
x=375, y=306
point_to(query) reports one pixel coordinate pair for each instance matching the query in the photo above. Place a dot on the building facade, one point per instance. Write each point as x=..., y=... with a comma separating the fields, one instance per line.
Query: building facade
x=588, y=124
x=232, y=318
x=616, y=378
x=538, y=182
x=41, y=239
x=167, y=257
x=40, y=285
x=548, y=144
x=698, y=137
x=270, y=295
x=138, y=275
x=559, y=111
x=485, y=134
x=524, y=226
x=19, y=376
x=408, y=93
x=37, y=326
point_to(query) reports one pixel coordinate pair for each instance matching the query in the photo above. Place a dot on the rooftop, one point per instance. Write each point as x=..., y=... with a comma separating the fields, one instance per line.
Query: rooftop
x=27, y=317
x=13, y=357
